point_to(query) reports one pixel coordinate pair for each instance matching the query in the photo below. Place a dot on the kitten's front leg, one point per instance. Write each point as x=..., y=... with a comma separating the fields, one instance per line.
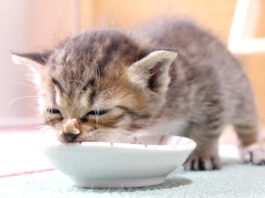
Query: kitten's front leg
x=205, y=156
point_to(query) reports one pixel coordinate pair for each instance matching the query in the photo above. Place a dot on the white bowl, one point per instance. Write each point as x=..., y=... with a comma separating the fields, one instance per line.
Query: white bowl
x=104, y=164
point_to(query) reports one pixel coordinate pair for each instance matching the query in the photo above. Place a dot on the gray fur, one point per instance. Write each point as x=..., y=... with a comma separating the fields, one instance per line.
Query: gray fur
x=208, y=88
x=205, y=89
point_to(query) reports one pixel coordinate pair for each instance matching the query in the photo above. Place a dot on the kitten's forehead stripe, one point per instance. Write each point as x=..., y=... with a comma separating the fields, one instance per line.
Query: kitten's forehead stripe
x=90, y=83
x=110, y=49
x=55, y=82
x=92, y=97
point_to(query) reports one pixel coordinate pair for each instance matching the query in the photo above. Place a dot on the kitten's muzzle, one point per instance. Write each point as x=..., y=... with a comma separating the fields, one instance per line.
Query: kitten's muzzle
x=69, y=137
x=70, y=130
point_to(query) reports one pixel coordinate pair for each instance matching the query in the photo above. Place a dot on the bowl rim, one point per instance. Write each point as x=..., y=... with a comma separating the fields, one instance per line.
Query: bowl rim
x=189, y=144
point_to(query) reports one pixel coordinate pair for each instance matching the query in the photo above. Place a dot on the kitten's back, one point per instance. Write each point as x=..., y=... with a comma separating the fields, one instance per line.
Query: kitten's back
x=203, y=58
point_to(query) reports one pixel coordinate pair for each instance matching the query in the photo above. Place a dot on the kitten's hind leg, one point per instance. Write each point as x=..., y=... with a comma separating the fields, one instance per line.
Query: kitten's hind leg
x=245, y=122
x=252, y=150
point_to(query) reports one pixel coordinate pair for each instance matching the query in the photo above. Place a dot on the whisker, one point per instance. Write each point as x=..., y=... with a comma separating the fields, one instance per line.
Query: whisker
x=97, y=115
x=92, y=134
x=98, y=73
x=20, y=98
x=24, y=84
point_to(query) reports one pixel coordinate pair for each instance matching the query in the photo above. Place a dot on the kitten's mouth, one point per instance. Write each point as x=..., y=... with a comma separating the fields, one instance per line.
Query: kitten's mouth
x=70, y=137
x=82, y=137
x=76, y=140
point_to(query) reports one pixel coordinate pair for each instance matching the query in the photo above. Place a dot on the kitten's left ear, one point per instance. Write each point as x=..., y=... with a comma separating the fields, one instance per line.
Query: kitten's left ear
x=35, y=61
x=31, y=59
x=152, y=71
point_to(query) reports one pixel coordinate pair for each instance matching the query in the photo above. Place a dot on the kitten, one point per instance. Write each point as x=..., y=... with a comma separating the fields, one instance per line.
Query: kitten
x=169, y=77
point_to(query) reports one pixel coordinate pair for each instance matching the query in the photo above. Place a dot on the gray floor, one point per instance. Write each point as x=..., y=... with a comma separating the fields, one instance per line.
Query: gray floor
x=234, y=180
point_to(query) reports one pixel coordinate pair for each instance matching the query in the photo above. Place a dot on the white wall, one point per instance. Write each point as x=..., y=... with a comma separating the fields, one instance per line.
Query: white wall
x=26, y=26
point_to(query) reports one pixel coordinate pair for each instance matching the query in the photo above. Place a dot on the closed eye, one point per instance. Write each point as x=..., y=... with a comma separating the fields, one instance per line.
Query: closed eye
x=53, y=111
x=94, y=113
x=99, y=113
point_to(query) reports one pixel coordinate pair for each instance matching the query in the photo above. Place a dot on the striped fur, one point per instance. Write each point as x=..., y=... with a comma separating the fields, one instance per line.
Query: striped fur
x=136, y=78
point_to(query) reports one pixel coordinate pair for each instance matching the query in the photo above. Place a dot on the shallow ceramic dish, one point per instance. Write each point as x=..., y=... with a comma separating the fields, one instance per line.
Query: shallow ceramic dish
x=103, y=164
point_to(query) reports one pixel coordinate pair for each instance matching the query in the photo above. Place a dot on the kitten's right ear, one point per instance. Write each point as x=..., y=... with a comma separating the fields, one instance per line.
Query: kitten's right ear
x=152, y=71
x=35, y=62
x=31, y=59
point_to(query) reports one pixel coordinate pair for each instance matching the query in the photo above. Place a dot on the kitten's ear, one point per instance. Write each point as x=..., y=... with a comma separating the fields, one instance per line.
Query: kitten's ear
x=35, y=61
x=31, y=59
x=152, y=71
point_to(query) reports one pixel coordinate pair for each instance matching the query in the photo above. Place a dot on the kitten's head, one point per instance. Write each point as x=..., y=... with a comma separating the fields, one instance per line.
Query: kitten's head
x=99, y=85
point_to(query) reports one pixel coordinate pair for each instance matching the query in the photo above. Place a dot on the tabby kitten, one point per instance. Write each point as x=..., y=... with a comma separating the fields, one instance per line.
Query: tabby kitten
x=170, y=77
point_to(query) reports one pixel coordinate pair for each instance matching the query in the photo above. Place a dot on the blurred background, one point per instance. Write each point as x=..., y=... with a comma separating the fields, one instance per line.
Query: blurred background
x=30, y=25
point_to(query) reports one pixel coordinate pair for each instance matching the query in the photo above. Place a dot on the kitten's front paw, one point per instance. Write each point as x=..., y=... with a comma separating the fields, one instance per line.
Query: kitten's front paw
x=254, y=154
x=196, y=162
